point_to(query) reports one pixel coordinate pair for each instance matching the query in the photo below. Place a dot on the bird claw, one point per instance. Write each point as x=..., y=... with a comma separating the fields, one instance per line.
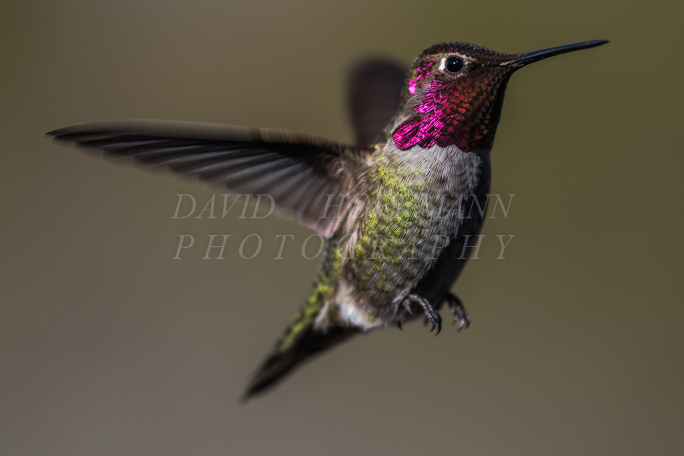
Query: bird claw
x=402, y=310
x=457, y=309
x=431, y=314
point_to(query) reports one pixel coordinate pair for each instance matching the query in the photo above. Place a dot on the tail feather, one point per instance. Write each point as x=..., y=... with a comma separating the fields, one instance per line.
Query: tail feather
x=309, y=342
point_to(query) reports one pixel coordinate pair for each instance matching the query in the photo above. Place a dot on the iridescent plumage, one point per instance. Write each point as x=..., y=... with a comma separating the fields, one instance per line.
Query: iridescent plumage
x=401, y=223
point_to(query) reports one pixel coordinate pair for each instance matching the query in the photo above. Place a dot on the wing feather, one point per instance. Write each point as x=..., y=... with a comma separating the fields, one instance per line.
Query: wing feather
x=374, y=94
x=297, y=170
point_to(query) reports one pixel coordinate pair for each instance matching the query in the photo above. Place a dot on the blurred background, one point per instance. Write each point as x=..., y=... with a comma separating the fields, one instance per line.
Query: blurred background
x=110, y=347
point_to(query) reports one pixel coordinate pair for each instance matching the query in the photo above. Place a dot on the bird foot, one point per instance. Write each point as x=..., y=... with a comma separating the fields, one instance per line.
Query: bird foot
x=402, y=310
x=457, y=309
x=430, y=313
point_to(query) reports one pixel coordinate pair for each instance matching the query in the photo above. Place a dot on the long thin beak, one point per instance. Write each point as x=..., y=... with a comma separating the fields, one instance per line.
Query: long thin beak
x=535, y=56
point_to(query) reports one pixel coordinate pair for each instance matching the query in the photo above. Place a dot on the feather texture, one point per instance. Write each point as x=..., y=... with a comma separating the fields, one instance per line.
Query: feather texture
x=304, y=174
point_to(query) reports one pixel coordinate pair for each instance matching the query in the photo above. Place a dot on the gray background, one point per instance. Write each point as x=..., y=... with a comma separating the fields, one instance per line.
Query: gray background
x=109, y=347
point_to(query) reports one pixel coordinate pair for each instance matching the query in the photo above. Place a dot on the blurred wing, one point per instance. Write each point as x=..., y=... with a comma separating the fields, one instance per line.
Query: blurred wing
x=374, y=92
x=304, y=174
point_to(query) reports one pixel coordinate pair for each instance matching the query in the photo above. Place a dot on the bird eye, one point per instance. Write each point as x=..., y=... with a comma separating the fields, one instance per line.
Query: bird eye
x=454, y=64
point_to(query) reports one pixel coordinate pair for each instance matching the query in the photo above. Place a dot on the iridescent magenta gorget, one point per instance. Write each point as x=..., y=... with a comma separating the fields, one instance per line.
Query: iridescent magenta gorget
x=461, y=109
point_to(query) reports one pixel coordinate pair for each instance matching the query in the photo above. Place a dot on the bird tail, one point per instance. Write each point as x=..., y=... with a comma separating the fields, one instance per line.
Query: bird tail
x=300, y=341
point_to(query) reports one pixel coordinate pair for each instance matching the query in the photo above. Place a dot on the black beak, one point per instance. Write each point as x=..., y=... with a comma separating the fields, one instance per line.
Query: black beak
x=535, y=56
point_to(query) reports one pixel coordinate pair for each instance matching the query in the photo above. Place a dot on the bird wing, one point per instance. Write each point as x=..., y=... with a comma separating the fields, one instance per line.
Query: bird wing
x=374, y=92
x=304, y=174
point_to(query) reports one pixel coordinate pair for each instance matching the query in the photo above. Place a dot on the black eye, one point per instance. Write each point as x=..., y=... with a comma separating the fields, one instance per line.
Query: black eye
x=454, y=65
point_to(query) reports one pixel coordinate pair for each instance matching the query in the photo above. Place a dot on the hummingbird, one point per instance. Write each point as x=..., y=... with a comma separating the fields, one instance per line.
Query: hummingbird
x=391, y=207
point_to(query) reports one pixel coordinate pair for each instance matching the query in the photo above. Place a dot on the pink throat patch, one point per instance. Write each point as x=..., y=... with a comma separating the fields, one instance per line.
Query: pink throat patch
x=462, y=111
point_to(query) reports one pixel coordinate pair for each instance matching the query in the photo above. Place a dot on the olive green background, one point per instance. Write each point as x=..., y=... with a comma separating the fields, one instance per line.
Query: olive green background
x=110, y=347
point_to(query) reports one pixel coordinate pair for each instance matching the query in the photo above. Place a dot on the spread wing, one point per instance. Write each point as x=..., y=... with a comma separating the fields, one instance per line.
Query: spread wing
x=305, y=175
x=373, y=95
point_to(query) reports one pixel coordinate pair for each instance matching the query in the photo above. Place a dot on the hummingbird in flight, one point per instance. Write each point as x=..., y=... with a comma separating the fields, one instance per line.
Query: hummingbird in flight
x=391, y=206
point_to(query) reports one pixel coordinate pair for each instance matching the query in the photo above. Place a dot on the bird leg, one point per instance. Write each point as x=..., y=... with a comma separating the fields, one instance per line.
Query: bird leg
x=457, y=309
x=402, y=310
x=430, y=313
